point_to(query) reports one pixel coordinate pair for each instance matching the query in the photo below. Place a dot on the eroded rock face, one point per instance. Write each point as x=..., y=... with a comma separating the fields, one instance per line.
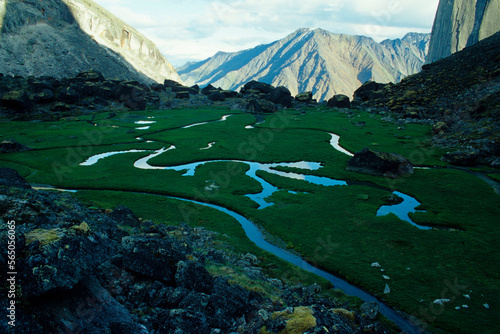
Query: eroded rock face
x=63, y=37
x=379, y=164
x=462, y=23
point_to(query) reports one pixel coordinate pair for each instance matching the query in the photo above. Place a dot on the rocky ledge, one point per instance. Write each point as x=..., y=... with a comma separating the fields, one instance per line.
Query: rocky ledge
x=83, y=270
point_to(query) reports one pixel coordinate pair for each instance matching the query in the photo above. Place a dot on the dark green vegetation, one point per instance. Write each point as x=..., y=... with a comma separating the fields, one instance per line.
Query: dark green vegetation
x=334, y=227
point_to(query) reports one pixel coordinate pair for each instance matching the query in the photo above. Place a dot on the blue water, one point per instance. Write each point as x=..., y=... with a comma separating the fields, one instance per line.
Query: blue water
x=401, y=210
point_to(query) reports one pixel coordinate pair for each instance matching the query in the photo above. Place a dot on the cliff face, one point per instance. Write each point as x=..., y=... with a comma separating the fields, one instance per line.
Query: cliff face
x=462, y=23
x=313, y=60
x=61, y=38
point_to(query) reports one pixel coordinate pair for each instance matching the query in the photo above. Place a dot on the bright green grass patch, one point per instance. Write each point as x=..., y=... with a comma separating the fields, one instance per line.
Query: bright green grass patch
x=495, y=177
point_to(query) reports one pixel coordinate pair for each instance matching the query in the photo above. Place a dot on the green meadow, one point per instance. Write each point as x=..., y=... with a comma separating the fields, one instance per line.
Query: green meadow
x=335, y=227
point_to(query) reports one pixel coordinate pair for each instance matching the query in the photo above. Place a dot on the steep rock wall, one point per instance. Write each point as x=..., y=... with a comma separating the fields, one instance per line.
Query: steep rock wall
x=61, y=38
x=462, y=23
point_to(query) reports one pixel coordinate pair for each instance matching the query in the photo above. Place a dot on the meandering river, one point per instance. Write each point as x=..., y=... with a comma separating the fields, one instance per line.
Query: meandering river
x=401, y=210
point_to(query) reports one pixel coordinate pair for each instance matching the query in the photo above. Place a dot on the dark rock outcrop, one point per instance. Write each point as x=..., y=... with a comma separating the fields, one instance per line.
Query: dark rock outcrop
x=10, y=145
x=462, y=158
x=255, y=86
x=17, y=100
x=379, y=164
x=367, y=91
x=281, y=95
x=459, y=94
x=154, y=257
x=125, y=216
x=305, y=97
x=131, y=93
x=10, y=178
x=339, y=101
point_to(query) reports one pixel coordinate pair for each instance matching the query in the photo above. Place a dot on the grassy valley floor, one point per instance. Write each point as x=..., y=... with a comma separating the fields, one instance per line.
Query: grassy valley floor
x=334, y=227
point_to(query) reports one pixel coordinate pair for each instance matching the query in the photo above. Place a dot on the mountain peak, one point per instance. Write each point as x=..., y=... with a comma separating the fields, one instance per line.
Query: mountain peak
x=313, y=60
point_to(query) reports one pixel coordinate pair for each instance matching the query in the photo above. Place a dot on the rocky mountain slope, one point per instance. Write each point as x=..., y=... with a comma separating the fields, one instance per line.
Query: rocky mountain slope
x=460, y=94
x=60, y=38
x=82, y=270
x=313, y=60
x=461, y=23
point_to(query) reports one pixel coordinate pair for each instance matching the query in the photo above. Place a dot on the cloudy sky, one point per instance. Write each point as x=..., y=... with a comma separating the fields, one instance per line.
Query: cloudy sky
x=186, y=30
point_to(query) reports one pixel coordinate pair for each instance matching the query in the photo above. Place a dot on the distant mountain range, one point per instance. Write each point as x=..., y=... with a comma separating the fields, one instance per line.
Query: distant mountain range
x=313, y=60
x=61, y=38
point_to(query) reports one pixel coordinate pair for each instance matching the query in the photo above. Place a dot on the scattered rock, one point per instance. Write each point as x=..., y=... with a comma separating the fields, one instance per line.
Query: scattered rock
x=375, y=163
x=462, y=158
x=10, y=145
x=370, y=309
x=441, y=301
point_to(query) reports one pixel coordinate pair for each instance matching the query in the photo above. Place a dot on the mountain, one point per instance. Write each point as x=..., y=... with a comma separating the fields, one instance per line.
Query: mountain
x=61, y=38
x=313, y=60
x=459, y=94
x=462, y=23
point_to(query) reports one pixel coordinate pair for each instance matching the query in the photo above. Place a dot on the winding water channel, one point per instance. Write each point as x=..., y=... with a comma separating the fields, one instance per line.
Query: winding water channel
x=401, y=210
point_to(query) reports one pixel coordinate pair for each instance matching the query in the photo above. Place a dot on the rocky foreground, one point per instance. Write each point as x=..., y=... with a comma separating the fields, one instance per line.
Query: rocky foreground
x=81, y=270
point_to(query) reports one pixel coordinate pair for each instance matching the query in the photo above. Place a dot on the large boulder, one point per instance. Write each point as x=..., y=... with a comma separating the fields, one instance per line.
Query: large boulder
x=60, y=258
x=125, y=216
x=10, y=145
x=281, y=95
x=339, y=101
x=192, y=275
x=17, y=100
x=209, y=89
x=367, y=90
x=305, y=97
x=255, y=86
x=375, y=163
x=216, y=96
x=155, y=257
x=131, y=93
